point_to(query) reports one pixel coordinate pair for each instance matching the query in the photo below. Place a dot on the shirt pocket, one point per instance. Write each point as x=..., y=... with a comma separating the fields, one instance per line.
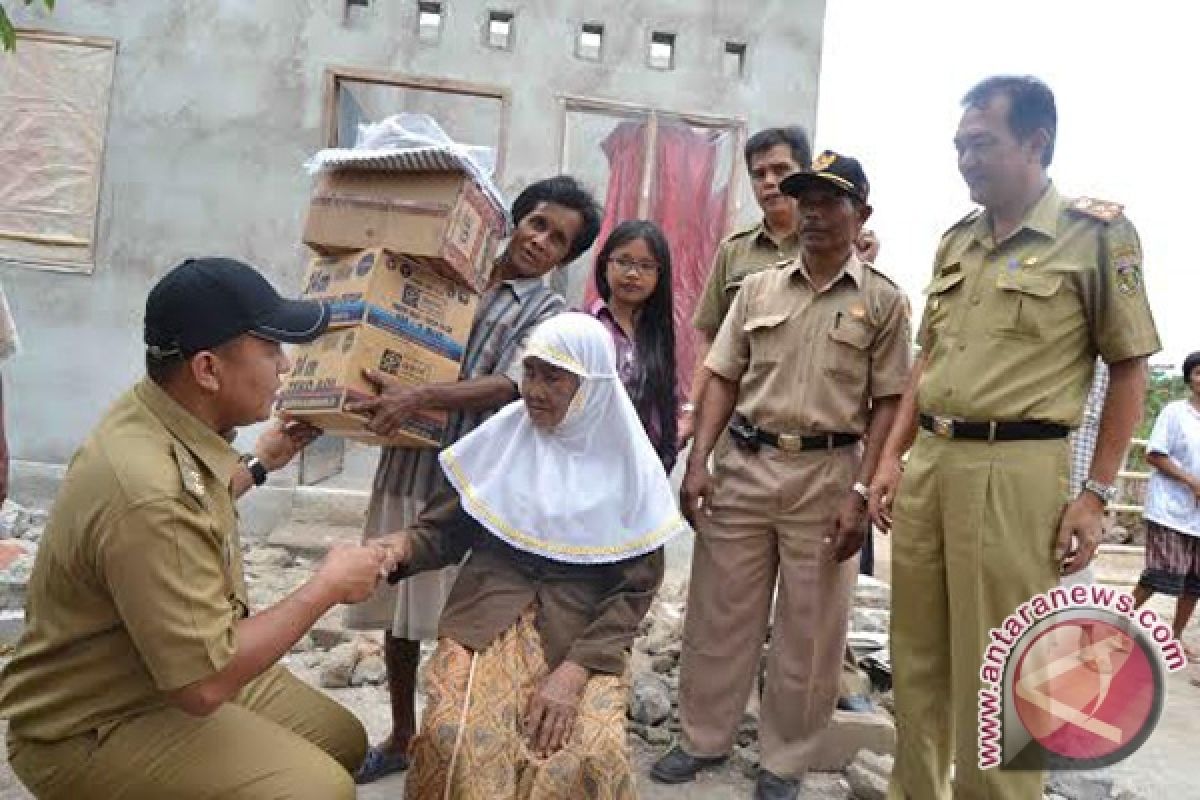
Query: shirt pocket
x=765, y=334
x=1030, y=305
x=848, y=353
x=940, y=295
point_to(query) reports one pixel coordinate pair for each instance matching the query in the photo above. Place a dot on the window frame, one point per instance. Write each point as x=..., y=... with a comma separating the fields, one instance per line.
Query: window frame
x=335, y=76
x=85, y=266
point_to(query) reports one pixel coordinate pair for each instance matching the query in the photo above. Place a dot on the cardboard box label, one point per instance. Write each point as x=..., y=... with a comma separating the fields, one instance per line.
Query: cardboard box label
x=397, y=294
x=329, y=372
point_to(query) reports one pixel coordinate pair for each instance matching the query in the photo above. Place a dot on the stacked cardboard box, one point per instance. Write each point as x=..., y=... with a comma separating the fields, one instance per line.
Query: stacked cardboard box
x=401, y=258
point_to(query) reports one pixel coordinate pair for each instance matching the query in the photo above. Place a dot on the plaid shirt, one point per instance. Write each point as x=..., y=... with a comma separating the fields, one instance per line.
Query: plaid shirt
x=1083, y=439
x=507, y=314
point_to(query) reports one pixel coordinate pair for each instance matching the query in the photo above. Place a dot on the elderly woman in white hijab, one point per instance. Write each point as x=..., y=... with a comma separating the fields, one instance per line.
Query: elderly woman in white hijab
x=564, y=507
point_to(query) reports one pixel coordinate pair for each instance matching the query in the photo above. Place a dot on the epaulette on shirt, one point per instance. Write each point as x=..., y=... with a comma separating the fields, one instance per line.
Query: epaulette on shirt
x=1102, y=210
x=741, y=232
x=881, y=274
x=968, y=219
x=189, y=473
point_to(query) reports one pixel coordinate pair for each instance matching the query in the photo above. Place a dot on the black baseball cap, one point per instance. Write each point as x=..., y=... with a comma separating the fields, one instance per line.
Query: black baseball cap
x=830, y=169
x=205, y=302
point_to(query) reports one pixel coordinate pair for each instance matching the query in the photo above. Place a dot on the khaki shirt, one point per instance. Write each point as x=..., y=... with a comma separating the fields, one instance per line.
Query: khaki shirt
x=1011, y=330
x=811, y=362
x=138, y=580
x=743, y=253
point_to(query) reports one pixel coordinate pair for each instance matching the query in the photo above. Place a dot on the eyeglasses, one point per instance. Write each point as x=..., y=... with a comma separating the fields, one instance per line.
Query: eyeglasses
x=625, y=264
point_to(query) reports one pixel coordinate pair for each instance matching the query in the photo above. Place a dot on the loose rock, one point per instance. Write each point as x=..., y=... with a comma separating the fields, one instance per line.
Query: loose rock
x=338, y=666
x=650, y=699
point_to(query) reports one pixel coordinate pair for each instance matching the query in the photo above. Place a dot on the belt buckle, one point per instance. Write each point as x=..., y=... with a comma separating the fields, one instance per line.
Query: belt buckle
x=789, y=442
x=944, y=427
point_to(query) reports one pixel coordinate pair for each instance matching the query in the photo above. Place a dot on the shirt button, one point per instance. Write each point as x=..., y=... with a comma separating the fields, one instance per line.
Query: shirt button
x=949, y=393
x=975, y=300
x=962, y=346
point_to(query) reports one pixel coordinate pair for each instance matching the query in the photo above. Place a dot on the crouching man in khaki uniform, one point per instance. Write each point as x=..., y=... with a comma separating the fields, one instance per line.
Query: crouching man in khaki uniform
x=142, y=672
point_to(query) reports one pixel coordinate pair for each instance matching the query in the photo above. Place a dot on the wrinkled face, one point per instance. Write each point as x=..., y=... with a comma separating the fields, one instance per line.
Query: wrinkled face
x=542, y=239
x=547, y=391
x=243, y=376
x=767, y=169
x=632, y=272
x=994, y=163
x=829, y=220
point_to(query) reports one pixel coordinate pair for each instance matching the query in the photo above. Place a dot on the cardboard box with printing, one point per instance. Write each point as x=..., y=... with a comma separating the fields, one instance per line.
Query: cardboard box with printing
x=395, y=293
x=441, y=219
x=328, y=373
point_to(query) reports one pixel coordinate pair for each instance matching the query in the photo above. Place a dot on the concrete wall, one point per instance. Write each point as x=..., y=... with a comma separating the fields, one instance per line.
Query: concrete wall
x=216, y=103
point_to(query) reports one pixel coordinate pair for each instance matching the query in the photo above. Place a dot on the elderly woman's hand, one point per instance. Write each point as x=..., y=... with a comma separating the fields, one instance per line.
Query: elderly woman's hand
x=553, y=707
x=398, y=550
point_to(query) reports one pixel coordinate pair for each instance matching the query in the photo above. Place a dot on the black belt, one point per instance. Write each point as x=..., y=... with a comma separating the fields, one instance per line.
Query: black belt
x=746, y=435
x=951, y=428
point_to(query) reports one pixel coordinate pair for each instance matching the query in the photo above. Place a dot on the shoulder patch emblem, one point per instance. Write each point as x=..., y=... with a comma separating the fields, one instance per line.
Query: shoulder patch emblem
x=1102, y=210
x=1127, y=268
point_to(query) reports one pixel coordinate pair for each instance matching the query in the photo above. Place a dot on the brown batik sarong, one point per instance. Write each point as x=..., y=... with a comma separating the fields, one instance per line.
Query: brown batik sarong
x=487, y=757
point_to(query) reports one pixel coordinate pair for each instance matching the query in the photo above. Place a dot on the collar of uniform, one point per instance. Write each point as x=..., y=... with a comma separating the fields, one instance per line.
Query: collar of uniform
x=202, y=441
x=1042, y=217
x=853, y=267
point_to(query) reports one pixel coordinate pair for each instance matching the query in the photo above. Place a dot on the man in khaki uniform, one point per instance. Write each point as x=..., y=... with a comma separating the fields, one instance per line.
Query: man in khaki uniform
x=141, y=672
x=1025, y=293
x=813, y=357
x=771, y=155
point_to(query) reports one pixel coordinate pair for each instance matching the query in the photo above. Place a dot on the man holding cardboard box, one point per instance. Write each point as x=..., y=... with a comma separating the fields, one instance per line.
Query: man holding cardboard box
x=556, y=221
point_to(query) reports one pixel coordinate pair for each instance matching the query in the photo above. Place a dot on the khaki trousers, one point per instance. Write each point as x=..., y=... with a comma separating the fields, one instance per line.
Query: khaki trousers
x=279, y=738
x=770, y=514
x=974, y=531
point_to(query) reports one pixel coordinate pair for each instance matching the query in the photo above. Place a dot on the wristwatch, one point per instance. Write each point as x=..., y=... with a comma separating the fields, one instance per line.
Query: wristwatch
x=1106, y=493
x=257, y=470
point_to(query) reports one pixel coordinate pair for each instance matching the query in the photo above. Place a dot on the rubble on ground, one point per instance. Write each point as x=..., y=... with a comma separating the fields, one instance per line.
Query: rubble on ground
x=853, y=762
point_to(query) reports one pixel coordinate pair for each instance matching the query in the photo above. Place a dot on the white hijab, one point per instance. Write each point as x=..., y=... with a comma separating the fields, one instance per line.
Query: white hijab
x=590, y=491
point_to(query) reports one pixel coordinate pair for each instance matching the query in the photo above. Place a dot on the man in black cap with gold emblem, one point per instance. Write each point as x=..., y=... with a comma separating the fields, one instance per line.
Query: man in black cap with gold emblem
x=142, y=672
x=810, y=360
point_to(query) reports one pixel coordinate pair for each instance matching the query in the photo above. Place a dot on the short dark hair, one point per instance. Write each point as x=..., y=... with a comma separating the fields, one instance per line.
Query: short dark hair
x=565, y=191
x=1189, y=364
x=163, y=370
x=1032, y=106
x=795, y=137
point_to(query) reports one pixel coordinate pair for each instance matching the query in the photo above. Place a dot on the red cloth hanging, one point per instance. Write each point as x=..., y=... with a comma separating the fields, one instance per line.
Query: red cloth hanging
x=625, y=149
x=690, y=210
x=692, y=214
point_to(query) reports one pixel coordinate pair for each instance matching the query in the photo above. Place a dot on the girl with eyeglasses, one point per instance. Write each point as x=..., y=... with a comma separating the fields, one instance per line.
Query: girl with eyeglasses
x=633, y=277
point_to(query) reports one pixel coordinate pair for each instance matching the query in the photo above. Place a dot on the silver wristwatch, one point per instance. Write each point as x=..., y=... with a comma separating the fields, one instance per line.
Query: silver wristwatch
x=1106, y=493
